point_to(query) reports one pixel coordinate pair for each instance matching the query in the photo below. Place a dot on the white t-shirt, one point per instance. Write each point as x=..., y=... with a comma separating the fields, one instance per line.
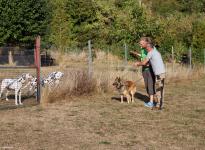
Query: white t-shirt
x=156, y=61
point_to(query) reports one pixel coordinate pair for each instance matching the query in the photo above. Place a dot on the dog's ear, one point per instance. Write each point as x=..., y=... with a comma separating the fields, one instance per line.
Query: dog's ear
x=24, y=76
x=119, y=79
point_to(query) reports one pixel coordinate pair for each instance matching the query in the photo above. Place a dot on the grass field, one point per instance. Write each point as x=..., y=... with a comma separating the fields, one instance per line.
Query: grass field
x=100, y=121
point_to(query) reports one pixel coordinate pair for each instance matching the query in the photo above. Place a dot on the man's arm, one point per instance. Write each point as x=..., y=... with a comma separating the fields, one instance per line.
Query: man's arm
x=142, y=63
x=135, y=53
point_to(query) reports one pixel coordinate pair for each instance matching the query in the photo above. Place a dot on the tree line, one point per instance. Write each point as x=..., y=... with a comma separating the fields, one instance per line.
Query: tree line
x=69, y=23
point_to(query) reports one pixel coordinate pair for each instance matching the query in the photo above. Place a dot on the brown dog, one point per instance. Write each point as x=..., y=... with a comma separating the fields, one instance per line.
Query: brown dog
x=125, y=88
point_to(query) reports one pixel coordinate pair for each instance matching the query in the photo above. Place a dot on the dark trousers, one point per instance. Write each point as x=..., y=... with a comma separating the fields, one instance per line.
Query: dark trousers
x=149, y=80
x=160, y=89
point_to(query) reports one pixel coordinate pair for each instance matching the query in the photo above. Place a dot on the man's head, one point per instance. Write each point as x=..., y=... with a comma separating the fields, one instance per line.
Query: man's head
x=146, y=42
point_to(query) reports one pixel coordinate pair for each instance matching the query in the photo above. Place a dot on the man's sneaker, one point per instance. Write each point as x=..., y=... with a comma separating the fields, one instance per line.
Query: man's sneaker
x=149, y=104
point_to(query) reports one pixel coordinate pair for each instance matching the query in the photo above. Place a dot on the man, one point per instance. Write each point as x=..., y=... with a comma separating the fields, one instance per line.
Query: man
x=147, y=73
x=155, y=59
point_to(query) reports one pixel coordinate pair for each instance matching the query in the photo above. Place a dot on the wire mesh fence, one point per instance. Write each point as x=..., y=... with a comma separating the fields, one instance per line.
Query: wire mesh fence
x=98, y=62
x=15, y=56
x=14, y=64
x=18, y=73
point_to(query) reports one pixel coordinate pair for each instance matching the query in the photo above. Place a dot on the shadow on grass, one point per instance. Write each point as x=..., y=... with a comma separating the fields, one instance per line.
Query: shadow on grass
x=138, y=96
x=118, y=98
x=10, y=105
x=142, y=97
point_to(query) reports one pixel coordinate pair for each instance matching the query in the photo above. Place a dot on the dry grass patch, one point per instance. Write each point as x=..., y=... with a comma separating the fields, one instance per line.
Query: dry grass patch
x=179, y=73
x=65, y=59
x=97, y=122
x=75, y=82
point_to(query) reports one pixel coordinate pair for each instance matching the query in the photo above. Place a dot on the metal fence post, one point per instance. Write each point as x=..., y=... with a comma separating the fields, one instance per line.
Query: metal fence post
x=89, y=60
x=38, y=65
x=173, y=58
x=172, y=53
x=204, y=59
x=190, y=59
x=108, y=63
x=125, y=46
x=140, y=3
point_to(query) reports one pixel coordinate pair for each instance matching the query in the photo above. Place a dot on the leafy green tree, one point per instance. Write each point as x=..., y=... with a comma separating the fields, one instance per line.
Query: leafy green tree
x=107, y=16
x=198, y=41
x=22, y=20
x=115, y=22
x=187, y=6
x=61, y=26
x=129, y=21
x=177, y=32
x=83, y=15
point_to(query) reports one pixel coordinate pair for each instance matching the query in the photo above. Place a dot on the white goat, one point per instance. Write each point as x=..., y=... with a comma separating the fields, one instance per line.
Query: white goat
x=15, y=85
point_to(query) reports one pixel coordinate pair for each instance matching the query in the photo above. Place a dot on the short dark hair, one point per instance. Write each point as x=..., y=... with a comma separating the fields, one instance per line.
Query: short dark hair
x=148, y=40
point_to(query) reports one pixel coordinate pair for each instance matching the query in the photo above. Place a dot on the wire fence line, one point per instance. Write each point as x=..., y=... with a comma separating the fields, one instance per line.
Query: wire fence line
x=17, y=57
x=93, y=61
x=91, y=51
x=185, y=60
x=15, y=61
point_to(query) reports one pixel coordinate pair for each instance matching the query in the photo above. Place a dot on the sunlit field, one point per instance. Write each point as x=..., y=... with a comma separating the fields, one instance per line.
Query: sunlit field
x=84, y=113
